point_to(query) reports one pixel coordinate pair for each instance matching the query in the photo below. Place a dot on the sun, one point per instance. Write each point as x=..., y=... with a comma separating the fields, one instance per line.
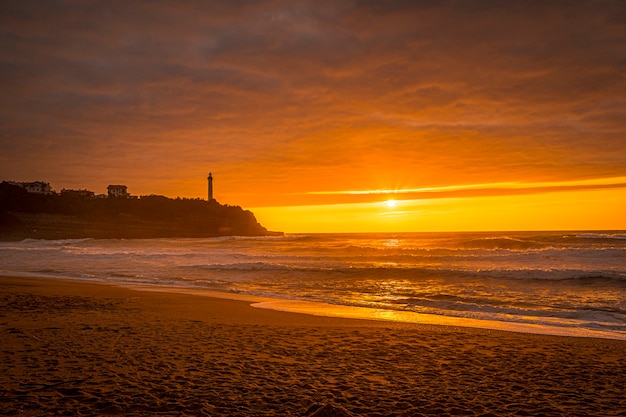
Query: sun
x=391, y=203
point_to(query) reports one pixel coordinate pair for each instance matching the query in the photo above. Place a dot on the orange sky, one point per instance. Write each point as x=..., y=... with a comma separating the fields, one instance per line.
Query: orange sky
x=474, y=115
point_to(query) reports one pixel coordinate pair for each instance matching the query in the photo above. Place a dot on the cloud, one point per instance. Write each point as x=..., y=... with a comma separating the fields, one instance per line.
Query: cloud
x=312, y=95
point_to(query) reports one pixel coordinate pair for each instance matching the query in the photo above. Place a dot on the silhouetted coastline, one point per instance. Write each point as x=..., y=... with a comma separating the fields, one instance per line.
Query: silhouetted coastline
x=26, y=215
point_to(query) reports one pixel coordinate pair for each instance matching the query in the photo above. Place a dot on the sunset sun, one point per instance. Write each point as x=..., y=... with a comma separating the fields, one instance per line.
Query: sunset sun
x=391, y=203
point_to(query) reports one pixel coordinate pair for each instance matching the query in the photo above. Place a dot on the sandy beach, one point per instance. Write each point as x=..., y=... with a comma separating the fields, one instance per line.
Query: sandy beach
x=70, y=348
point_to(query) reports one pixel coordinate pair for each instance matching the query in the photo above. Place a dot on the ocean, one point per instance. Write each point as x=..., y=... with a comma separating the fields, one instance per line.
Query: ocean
x=571, y=283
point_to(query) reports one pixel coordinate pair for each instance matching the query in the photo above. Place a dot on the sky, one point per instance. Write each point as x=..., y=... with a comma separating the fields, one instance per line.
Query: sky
x=470, y=115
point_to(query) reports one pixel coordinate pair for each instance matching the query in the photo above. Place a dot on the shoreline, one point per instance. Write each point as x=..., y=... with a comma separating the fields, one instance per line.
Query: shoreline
x=323, y=309
x=77, y=348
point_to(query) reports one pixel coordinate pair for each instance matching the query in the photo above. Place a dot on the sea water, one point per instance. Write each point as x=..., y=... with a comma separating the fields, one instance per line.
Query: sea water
x=569, y=281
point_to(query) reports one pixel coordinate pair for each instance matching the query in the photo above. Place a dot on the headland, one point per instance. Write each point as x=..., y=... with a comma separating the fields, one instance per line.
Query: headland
x=74, y=215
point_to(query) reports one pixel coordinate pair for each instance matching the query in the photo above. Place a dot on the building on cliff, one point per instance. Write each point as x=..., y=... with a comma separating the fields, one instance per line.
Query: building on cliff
x=35, y=187
x=78, y=193
x=117, y=191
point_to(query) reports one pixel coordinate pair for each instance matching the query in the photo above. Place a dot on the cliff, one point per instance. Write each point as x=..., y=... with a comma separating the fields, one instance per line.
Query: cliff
x=25, y=215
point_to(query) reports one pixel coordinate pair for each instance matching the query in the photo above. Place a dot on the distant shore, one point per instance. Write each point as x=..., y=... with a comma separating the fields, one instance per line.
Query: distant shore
x=80, y=348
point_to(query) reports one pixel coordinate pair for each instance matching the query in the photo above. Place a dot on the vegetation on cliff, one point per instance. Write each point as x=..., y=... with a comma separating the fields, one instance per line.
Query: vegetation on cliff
x=65, y=216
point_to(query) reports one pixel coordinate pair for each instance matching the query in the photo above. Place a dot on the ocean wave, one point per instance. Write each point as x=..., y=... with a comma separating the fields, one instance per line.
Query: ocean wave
x=252, y=266
x=616, y=236
x=507, y=243
x=47, y=242
x=573, y=275
x=41, y=244
x=341, y=271
x=348, y=255
x=466, y=305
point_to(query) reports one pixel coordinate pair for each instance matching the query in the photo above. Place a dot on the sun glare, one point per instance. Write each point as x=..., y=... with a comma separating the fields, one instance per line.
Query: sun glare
x=391, y=203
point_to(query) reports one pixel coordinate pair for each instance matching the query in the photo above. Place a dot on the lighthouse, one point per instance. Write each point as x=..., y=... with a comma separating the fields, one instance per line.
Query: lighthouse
x=210, y=187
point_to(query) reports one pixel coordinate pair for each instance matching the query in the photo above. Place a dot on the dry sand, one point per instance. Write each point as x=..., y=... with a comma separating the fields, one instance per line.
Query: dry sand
x=70, y=348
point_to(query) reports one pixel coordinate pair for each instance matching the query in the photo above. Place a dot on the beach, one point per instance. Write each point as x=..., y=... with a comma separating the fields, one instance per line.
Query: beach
x=75, y=348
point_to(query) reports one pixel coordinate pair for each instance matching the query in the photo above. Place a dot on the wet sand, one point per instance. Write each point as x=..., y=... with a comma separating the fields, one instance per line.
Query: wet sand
x=69, y=348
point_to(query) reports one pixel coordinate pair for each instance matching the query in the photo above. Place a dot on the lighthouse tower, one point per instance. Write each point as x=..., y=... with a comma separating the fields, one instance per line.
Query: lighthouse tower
x=210, y=187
